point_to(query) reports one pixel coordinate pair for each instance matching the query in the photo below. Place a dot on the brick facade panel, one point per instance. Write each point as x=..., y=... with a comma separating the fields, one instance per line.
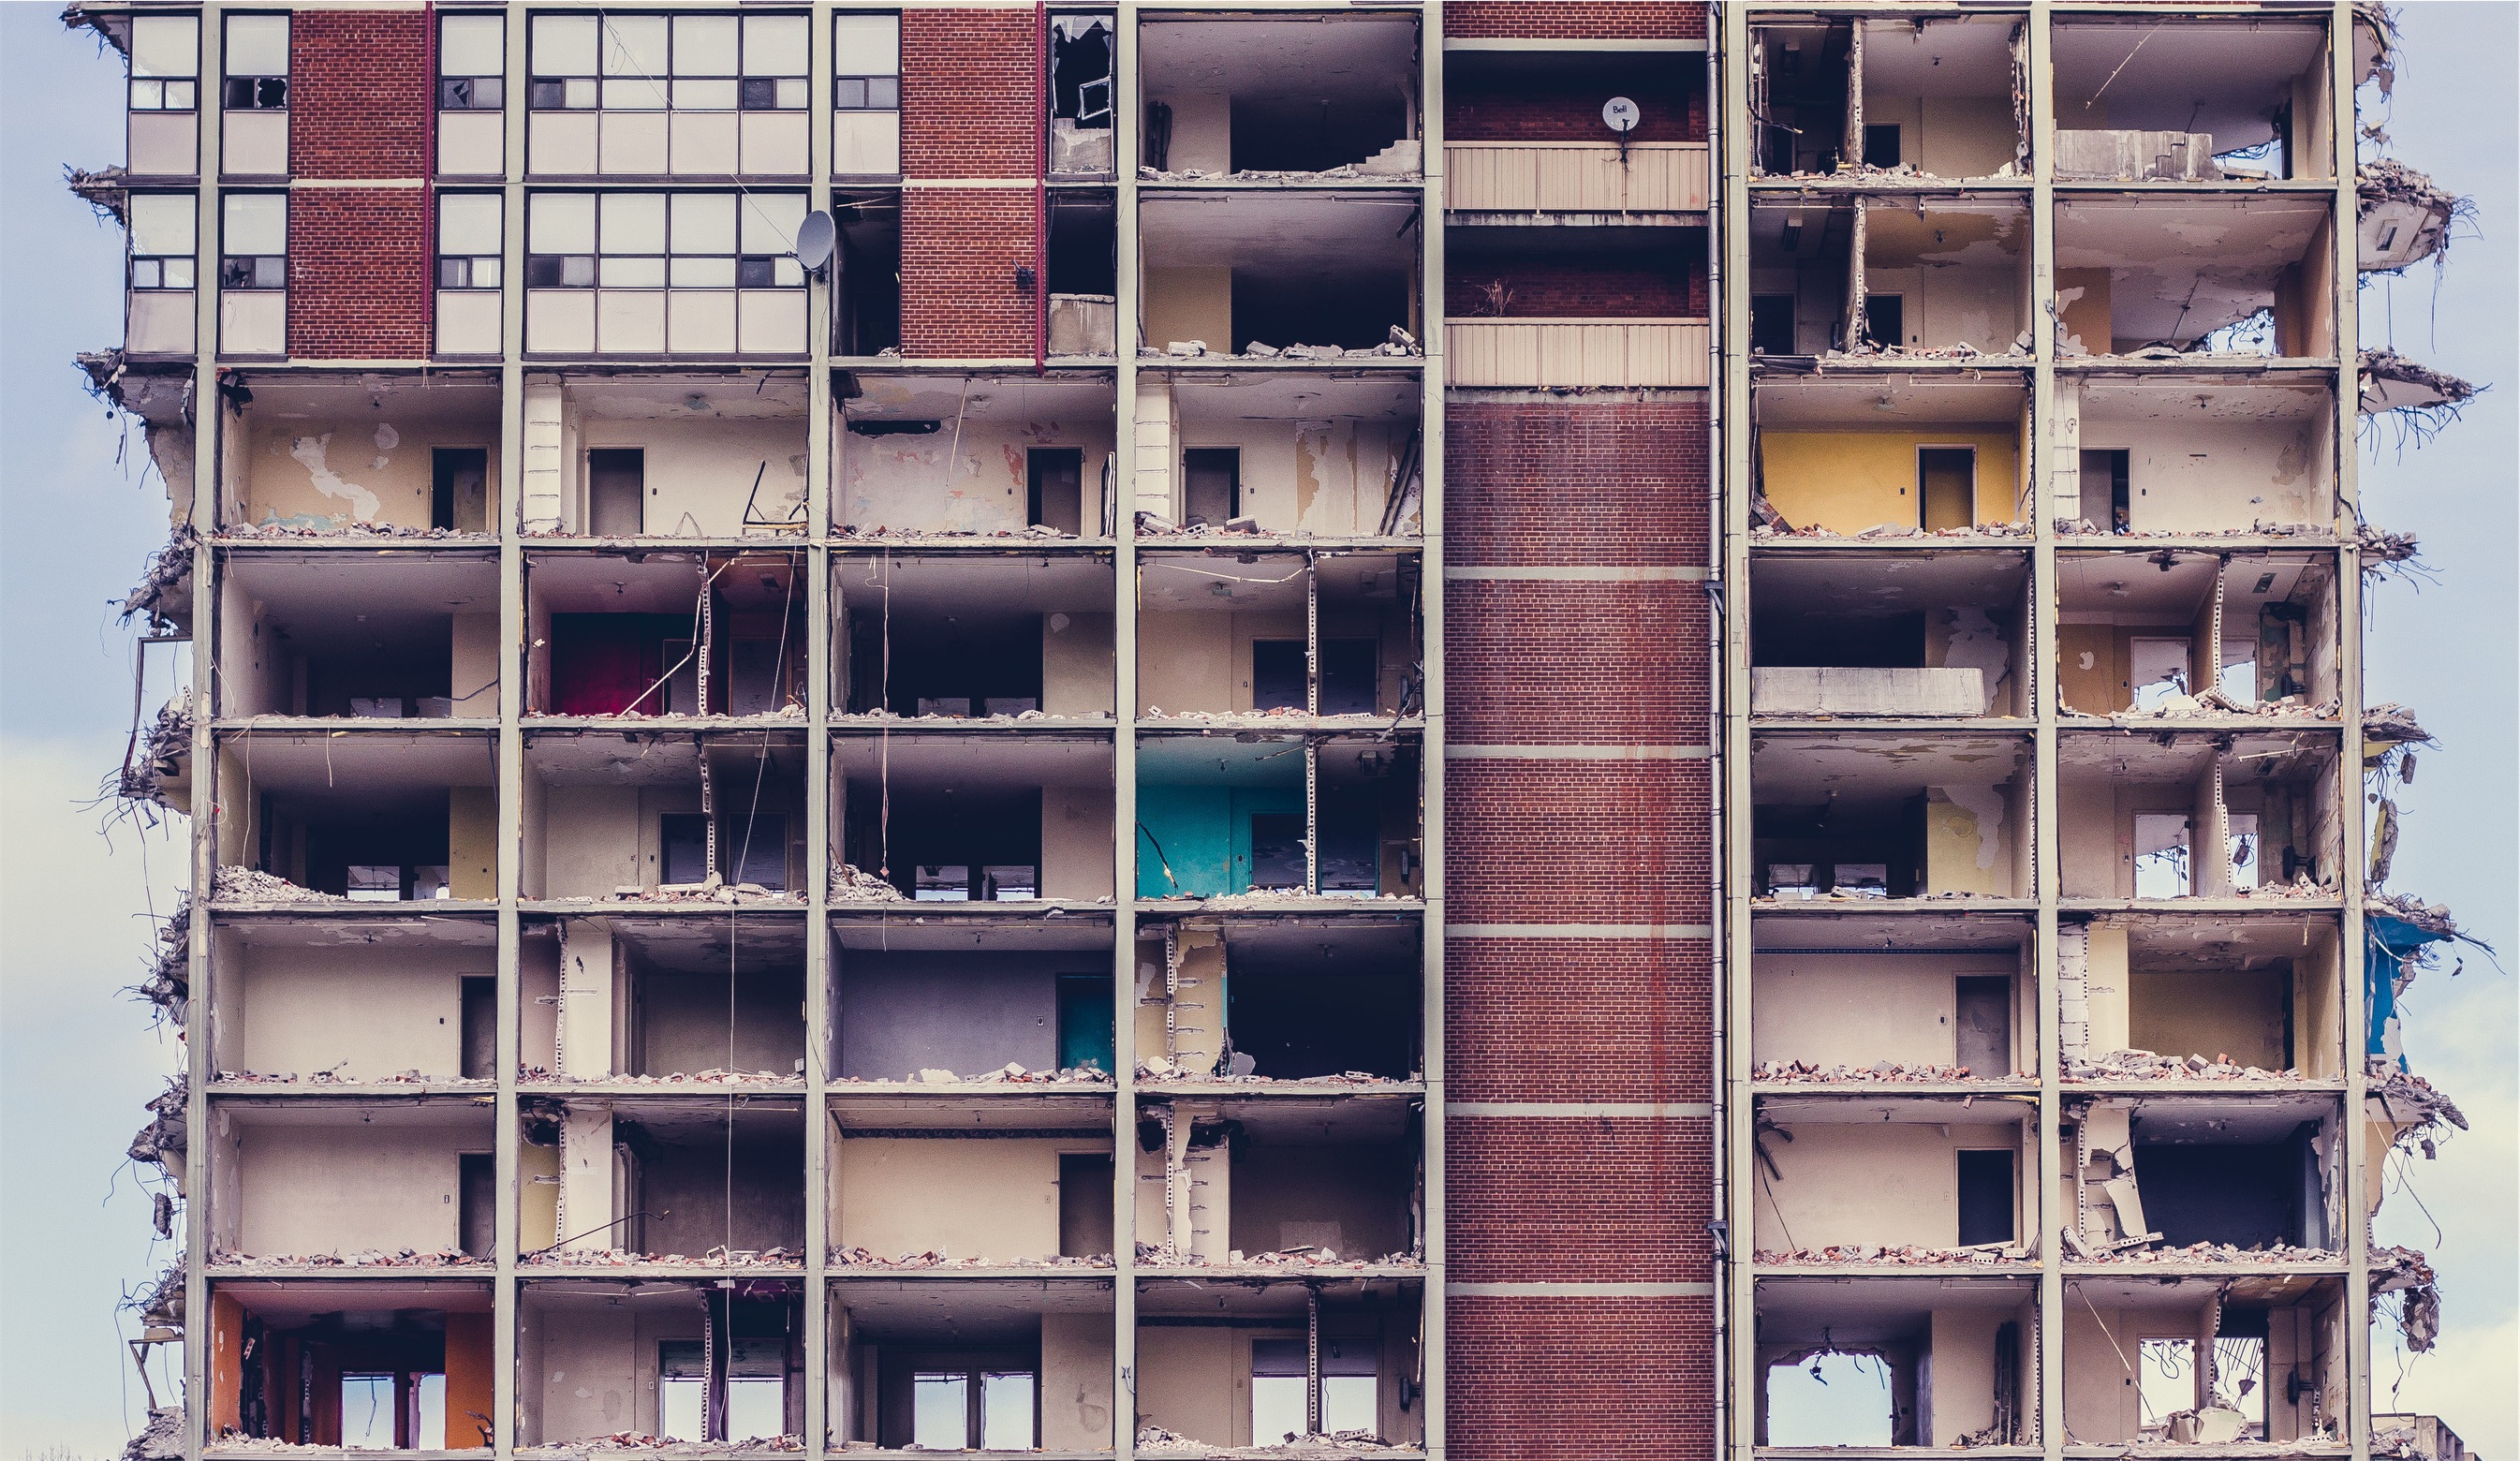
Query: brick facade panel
x=1576, y=19
x=1538, y=483
x=1624, y=664
x=960, y=249
x=1578, y=1199
x=358, y=94
x=1581, y=288
x=1531, y=1379
x=358, y=273
x=969, y=83
x=1578, y=842
x=1578, y=1019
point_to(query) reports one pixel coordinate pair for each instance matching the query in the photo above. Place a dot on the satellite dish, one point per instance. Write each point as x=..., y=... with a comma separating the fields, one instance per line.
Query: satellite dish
x=1620, y=114
x=815, y=240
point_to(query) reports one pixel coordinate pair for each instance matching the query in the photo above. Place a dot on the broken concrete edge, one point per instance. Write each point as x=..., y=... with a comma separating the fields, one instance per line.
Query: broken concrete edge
x=1152, y=1438
x=2390, y=382
x=2393, y=724
x=168, y=567
x=111, y=29
x=103, y=189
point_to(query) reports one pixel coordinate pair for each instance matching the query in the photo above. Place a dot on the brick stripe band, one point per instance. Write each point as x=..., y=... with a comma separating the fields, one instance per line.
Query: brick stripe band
x=1543, y=1290
x=1630, y=1109
x=1578, y=930
x=1584, y=573
x=1579, y=752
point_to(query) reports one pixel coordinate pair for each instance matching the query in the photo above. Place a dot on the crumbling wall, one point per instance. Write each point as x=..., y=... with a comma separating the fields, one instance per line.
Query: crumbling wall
x=967, y=477
x=331, y=472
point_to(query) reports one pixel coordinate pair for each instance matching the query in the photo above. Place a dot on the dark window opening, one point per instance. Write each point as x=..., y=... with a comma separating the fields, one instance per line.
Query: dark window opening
x=1889, y=641
x=1298, y=1024
x=1986, y=1196
x=476, y=1174
x=685, y=856
x=1085, y=1204
x=948, y=844
x=1982, y=1024
x=1056, y=477
x=1080, y=71
x=1278, y=675
x=1772, y=324
x=1350, y=831
x=1881, y=144
x=1084, y=1022
x=962, y=663
x=1885, y=320
x=459, y=489
x=1946, y=486
x=480, y=1028
x=866, y=293
x=1348, y=673
x=2249, y=1195
x=616, y=492
x=2104, y=489
x=1212, y=484
x=1278, y=850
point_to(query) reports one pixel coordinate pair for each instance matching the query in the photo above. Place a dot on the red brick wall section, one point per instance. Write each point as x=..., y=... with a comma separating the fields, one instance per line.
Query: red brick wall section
x=358, y=273
x=1578, y=842
x=1576, y=19
x=1535, y=483
x=1581, y=288
x=960, y=249
x=1600, y=664
x=358, y=93
x=1670, y=92
x=1535, y=1379
x=1610, y=1020
x=1578, y=1199
x=968, y=83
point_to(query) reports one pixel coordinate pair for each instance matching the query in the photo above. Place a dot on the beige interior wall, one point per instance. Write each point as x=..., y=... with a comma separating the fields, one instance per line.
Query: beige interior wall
x=2083, y=314
x=1968, y=840
x=1202, y=129
x=369, y=1015
x=255, y=665
x=703, y=468
x=973, y=477
x=330, y=472
x=1196, y=1382
x=344, y=1189
x=1329, y=477
x=590, y=841
x=1887, y=1184
x=1077, y=668
x=985, y=1197
x=2110, y=987
x=1799, y=1004
x=2238, y=1014
x=2317, y=1008
x=2100, y=1405
x=1076, y=1382
x=1076, y=854
x=538, y=1003
x=1202, y=662
x=1188, y=303
x=472, y=842
x=1962, y=1396
x=2200, y=474
x=475, y=682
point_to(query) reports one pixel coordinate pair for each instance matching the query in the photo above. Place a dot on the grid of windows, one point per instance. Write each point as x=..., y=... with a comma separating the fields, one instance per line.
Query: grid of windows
x=162, y=232
x=253, y=241
x=866, y=95
x=166, y=63
x=687, y=94
x=674, y=273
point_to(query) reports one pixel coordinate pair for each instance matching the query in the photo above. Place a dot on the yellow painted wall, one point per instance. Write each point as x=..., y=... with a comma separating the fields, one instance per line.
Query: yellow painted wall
x=1850, y=480
x=1190, y=305
x=2237, y=1014
x=1195, y=1382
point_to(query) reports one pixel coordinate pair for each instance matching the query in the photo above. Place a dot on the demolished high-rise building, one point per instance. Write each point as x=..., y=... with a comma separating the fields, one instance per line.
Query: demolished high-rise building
x=1346, y=726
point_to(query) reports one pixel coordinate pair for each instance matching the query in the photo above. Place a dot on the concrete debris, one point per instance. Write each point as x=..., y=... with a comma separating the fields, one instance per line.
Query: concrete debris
x=617, y=1258
x=168, y=567
x=2379, y=547
x=860, y=1258
x=927, y=534
x=249, y=888
x=1299, y=1259
x=713, y=890
x=265, y=531
x=2212, y=703
x=373, y=1258
x=2411, y=1102
x=162, y=1142
x=2144, y=1065
x=1396, y=161
x=1401, y=345
x=1010, y=1073
x=2432, y=918
x=662, y=1449
x=106, y=189
x=2405, y=216
x=2305, y=531
x=536, y=1074
x=1253, y=717
x=1887, y=1070
x=170, y=982
x=1160, y=1442
x=1157, y=1068
x=2322, y=1444
x=851, y=883
x=1000, y=718
x=2019, y=350
x=2301, y=886
x=793, y=710
x=335, y=1077
x=2204, y=1255
x=159, y=757
x=2393, y=383
x=1875, y=534
x=161, y=1439
x=2405, y=1273
x=1865, y=1253
x=2393, y=724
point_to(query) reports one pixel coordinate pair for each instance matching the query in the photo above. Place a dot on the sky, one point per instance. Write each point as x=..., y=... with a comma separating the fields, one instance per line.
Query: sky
x=77, y=895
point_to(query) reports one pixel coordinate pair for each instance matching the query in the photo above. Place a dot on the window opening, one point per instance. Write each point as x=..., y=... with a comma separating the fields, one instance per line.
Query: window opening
x=468, y=242
x=1983, y=1025
x=471, y=62
x=866, y=63
x=1212, y=482
x=1986, y=1194
x=2165, y=1378
x=1881, y=145
x=2161, y=867
x=2157, y=669
x=457, y=488
x=1885, y=320
x=1946, y=484
x=253, y=242
x=1055, y=478
x=163, y=231
x=166, y=62
x=616, y=492
x=2104, y=490
x=1772, y=324
x=256, y=59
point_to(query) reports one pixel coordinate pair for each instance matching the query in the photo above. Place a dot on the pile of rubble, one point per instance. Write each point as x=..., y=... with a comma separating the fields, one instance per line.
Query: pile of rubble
x=371, y=1257
x=248, y=887
x=536, y=1074
x=662, y=1448
x=264, y=532
x=167, y=567
x=1300, y=1259
x=170, y=982
x=2405, y=1273
x=2144, y=1065
x=161, y=1439
x=2085, y=527
x=2378, y=546
x=1010, y=1073
x=2393, y=383
x=334, y=1076
x=1866, y=1253
x=2199, y=1254
x=2411, y=1104
x=1887, y=1070
x=2215, y=703
x=1001, y=717
x=1244, y=717
x=714, y=891
x=1159, y=1440
x=162, y=1142
x=851, y=883
x=1400, y=345
x=924, y=535
x=1875, y=534
x=2302, y=885
x=2432, y=918
x=619, y=1257
x=1233, y=1069
x=861, y=1258
x=161, y=754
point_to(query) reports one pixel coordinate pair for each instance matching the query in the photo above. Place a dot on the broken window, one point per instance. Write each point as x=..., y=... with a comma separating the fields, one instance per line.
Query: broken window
x=600, y=269
x=2191, y=99
x=1890, y=1361
x=256, y=56
x=164, y=96
x=471, y=64
x=253, y=243
x=1081, y=84
x=720, y=1362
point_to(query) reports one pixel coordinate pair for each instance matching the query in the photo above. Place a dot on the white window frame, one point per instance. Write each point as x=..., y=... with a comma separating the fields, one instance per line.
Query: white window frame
x=760, y=80
x=149, y=269
x=469, y=269
x=153, y=89
x=262, y=95
x=260, y=278
x=470, y=89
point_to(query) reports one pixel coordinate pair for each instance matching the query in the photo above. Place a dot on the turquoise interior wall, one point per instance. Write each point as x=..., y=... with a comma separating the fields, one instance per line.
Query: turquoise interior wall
x=1202, y=835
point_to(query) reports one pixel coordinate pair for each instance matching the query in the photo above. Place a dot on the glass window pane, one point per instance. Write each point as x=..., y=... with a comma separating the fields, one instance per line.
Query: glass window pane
x=883, y=93
x=791, y=94
x=468, y=223
x=704, y=45
x=485, y=272
x=706, y=94
x=559, y=223
x=786, y=273
x=702, y=273
x=368, y=1412
x=258, y=46
x=256, y=223
x=866, y=45
x=147, y=96
x=848, y=94
x=770, y=221
x=940, y=1417
x=178, y=273
x=637, y=46
x=161, y=222
x=755, y=1409
x=471, y=46
x=431, y=1434
x=633, y=223
x=146, y=273
x=564, y=45
x=183, y=96
x=1005, y=1413
x=580, y=93
x=167, y=46
x=1276, y=1408
x=703, y=223
x=642, y=272
x=774, y=45
x=634, y=94
x=1348, y=1403
x=678, y=1407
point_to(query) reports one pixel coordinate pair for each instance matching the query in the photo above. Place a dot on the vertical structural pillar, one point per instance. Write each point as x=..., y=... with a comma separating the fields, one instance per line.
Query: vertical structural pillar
x=1735, y=1286
x=208, y=418
x=1430, y=590
x=513, y=619
x=820, y=309
x=2047, y=840
x=2351, y=832
x=1122, y=507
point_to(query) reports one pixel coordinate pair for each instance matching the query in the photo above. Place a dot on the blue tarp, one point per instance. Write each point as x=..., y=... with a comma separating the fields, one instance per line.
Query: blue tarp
x=2387, y=941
